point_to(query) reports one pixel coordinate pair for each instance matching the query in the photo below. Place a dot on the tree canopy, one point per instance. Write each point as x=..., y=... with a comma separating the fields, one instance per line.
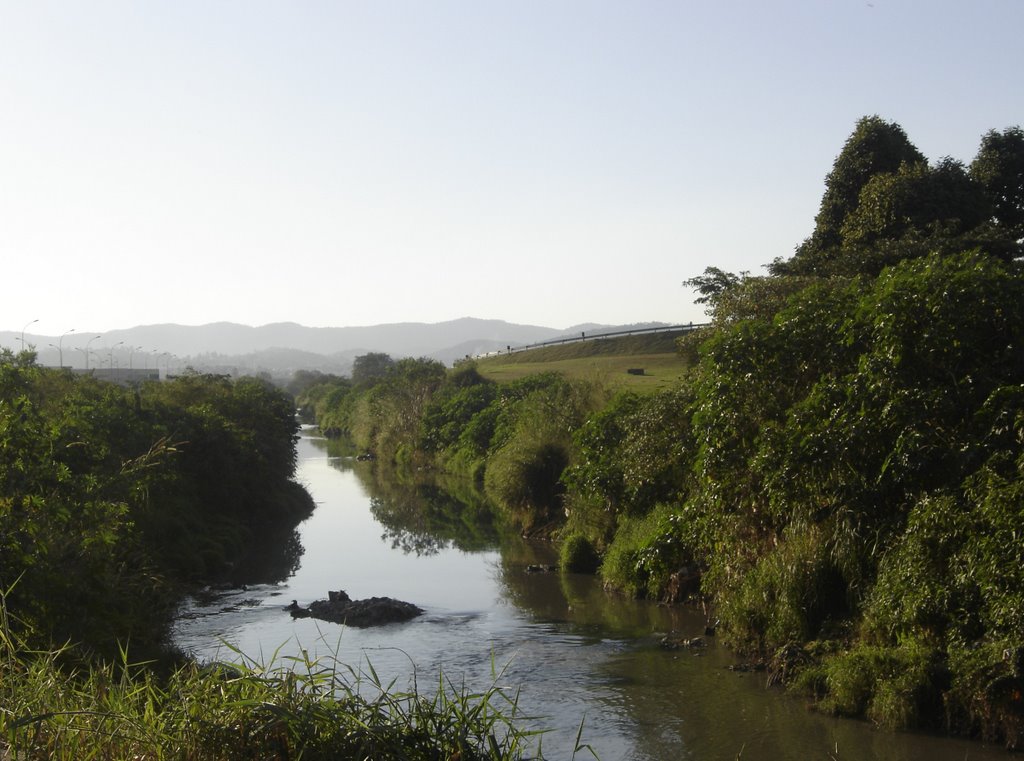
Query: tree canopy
x=884, y=202
x=999, y=169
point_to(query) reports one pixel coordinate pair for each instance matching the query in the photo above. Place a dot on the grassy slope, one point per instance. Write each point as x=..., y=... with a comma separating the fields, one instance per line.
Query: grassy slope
x=604, y=359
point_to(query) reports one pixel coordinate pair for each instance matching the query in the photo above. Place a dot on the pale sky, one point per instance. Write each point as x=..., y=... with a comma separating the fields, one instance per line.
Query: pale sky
x=356, y=163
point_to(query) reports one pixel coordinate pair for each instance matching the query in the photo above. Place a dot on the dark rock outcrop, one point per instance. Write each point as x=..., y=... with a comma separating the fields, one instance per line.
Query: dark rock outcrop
x=339, y=608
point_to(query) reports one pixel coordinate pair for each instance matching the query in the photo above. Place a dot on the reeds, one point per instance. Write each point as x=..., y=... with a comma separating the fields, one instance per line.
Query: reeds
x=289, y=708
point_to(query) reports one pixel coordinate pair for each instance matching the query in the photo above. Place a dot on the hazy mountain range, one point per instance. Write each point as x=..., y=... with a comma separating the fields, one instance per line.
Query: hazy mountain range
x=287, y=346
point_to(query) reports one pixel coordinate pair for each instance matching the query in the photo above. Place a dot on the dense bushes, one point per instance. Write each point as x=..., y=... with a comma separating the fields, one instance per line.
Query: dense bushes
x=578, y=555
x=872, y=492
x=513, y=439
x=114, y=500
x=646, y=551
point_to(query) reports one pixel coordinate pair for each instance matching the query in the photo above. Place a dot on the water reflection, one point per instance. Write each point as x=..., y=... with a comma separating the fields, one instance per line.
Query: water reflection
x=422, y=517
x=271, y=558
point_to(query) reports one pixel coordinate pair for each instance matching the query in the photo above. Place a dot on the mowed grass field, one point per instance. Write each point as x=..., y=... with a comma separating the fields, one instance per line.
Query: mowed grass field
x=605, y=360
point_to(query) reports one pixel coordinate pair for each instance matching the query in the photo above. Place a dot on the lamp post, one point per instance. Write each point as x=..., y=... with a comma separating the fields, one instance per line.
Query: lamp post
x=60, y=347
x=87, y=350
x=112, y=357
x=32, y=322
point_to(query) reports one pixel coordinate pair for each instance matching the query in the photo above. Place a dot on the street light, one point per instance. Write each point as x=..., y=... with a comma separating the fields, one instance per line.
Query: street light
x=60, y=347
x=23, y=332
x=87, y=351
x=112, y=357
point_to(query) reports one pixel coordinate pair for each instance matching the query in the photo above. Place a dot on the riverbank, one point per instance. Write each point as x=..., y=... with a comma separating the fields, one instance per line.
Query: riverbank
x=558, y=641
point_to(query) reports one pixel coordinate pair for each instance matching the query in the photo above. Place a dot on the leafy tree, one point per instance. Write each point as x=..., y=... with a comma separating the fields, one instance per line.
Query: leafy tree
x=919, y=200
x=712, y=284
x=598, y=467
x=329, y=405
x=303, y=380
x=451, y=411
x=370, y=368
x=66, y=537
x=634, y=453
x=756, y=297
x=386, y=417
x=884, y=203
x=999, y=168
x=875, y=147
x=821, y=422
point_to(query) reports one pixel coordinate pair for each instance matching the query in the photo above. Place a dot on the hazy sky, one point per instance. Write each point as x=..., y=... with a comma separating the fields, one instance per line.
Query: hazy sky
x=353, y=163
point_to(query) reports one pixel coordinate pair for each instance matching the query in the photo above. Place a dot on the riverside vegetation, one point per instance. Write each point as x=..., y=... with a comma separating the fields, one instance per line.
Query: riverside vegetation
x=838, y=474
x=116, y=502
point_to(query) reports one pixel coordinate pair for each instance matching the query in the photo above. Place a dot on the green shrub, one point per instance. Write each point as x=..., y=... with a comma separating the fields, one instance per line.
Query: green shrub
x=986, y=697
x=646, y=551
x=788, y=595
x=634, y=453
x=524, y=477
x=578, y=555
x=898, y=687
x=114, y=500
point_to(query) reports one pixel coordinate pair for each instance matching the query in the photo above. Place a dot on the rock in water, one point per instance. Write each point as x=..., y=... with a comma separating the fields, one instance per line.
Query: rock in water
x=374, y=611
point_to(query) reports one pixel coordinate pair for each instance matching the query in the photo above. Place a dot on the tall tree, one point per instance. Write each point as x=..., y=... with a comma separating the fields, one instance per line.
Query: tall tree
x=999, y=168
x=372, y=367
x=876, y=146
x=884, y=203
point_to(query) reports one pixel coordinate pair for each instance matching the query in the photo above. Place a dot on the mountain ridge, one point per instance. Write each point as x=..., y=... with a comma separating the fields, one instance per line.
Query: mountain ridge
x=227, y=343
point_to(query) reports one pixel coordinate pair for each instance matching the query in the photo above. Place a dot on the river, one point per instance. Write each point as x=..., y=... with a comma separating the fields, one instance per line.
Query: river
x=572, y=652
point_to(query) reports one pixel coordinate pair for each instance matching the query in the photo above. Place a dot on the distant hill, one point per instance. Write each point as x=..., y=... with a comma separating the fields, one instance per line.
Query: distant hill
x=284, y=347
x=397, y=339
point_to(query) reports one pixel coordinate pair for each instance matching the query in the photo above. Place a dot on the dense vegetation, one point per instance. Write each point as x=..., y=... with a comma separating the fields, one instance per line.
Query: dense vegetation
x=839, y=475
x=114, y=502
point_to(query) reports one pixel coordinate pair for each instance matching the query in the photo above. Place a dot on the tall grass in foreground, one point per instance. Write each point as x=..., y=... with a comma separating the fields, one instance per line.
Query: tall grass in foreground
x=290, y=708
